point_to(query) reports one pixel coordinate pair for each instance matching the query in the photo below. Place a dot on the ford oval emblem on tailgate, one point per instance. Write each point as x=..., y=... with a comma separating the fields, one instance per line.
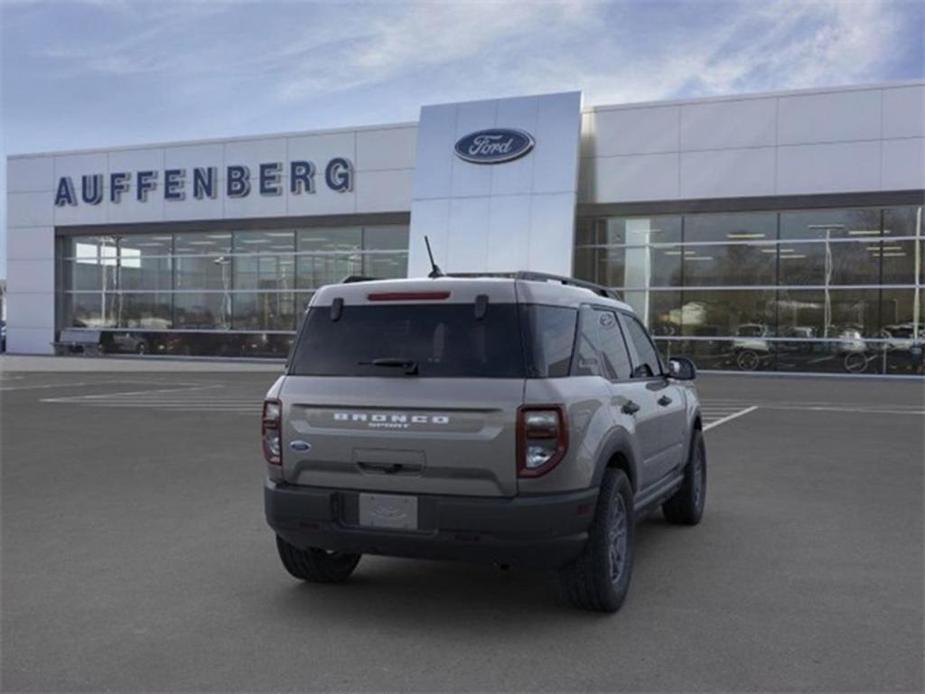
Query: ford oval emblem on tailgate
x=494, y=146
x=301, y=446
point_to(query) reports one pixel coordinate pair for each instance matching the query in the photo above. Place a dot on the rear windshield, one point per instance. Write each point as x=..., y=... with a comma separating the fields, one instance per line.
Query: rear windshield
x=421, y=340
x=440, y=341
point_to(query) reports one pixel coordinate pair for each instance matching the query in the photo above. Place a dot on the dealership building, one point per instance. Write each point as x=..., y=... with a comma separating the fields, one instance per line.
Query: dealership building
x=776, y=232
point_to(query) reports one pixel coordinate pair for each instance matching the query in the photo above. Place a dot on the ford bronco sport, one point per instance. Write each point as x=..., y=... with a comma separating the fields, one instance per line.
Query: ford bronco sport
x=526, y=419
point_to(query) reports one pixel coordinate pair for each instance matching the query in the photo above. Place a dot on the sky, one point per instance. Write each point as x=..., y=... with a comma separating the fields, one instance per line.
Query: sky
x=96, y=73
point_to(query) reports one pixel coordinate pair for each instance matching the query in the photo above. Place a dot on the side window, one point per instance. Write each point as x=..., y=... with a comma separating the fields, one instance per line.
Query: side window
x=588, y=358
x=601, y=350
x=645, y=350
x=616, y=358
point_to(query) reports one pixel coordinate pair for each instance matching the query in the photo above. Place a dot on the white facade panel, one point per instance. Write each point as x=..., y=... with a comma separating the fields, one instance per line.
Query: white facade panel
x=131, y=160
x=725, y=172
x=728, y=124
x=193, y=155
x=904, y=164
x=904, y=112
x=386, y=148
x=509, y=232
x=30, y=174
x=30, y=243
x=431, y=219
x=829, y=117
x=30, y=209
x=29, y=340
x=252, y=152
x=635, y=131
x=555, y=165
x=588, y=139
x=635, y=177
x=384, y=191
x=31, y=309
x=467, y=239
x=76, y=165
x=552, y=233
x=830, y=168
x=30, y=275
x=436, y=133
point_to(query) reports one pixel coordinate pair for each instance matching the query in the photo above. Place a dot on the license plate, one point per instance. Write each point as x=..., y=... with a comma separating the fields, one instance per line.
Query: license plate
x=389, y=511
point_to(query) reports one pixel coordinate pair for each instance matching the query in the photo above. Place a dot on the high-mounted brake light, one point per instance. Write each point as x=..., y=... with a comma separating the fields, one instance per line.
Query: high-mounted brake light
x=408, y=296
x=270, y=434
x=542, y=439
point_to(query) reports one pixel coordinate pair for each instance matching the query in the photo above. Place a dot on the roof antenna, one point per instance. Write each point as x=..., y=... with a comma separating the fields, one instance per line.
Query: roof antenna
x=435, y=269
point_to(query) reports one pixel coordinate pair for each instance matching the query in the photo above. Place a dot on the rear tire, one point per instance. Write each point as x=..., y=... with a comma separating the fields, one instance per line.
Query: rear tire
x=685, y=507
x=316, y=565
x=599, y=578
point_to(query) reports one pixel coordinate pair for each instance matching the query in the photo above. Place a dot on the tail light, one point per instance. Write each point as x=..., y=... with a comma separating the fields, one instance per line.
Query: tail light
x=542, y=439
x=270, y=431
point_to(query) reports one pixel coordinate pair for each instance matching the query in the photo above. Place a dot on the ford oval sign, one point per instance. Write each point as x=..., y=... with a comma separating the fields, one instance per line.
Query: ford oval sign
x=494, y=146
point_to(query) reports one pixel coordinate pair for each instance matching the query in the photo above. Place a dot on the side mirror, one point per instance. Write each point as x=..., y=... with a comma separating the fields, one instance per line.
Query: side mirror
x=682, y=369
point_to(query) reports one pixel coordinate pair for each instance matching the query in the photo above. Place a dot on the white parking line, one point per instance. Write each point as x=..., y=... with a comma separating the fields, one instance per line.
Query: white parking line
x=833, y=408
x=730, y=417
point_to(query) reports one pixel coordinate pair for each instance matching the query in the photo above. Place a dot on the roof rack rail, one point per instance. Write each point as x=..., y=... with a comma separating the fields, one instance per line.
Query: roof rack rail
x=351, y=279
x=531, y=276
x=598, y=289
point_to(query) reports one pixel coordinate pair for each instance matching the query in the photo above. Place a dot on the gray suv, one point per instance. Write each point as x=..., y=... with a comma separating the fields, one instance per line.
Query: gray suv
x=525, y=419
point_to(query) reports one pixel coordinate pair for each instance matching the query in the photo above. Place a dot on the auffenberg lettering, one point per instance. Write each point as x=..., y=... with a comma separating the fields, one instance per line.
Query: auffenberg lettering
x=267, y=179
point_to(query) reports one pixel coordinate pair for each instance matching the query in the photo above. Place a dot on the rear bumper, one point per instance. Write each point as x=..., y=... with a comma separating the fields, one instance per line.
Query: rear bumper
x=540, y=531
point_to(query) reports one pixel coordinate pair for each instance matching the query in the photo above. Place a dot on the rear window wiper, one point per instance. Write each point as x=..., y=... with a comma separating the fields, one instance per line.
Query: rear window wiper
x=409, y=365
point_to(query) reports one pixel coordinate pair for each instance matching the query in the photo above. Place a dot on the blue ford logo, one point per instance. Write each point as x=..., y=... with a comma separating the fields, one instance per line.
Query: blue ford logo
x=494, y=146
x=300, y=446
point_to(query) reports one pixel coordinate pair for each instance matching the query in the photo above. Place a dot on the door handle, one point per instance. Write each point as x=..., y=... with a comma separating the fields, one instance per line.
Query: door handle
x=664, y=401
x=630, y=407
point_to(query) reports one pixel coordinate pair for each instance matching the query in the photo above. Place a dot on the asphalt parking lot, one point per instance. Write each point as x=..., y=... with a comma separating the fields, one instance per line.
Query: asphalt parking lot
x=135, y=557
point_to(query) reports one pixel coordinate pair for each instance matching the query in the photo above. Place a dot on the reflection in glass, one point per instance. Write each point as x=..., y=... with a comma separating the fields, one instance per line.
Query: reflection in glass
x=264, y=271
x=848, y=314
x=859, y=223
x=152, y=310
x=263, y=311
x=744, y=313
x=729, y=265
x=206, y=311
x=737, y=226
x=203, y=272
x=203, y=243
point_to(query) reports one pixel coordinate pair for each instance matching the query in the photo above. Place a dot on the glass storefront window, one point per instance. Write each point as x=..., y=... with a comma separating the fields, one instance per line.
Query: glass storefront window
x=264, y=271
x=263, y=311
x=739, y=226
x=613, y=231
x=202, y=310
x=838, y=313
x=202, y=272
x=92, y=310
x=203, y=243
x=830, y=224
x=140, y=287
x=151, y=310
x=744, y=313
x=729, y=265
x=828, y=263
x=250, y=242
